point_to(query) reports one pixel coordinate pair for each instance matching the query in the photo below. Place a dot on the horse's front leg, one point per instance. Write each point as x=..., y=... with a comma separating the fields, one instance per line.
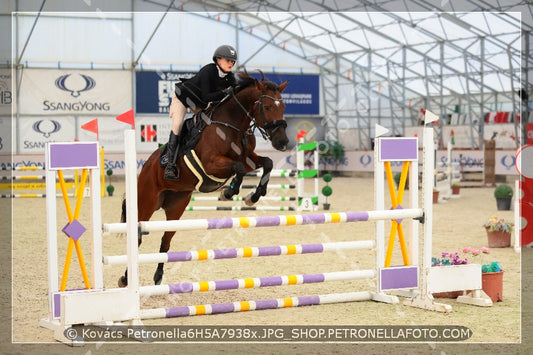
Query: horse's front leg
x=234, y=187
x=261, y=189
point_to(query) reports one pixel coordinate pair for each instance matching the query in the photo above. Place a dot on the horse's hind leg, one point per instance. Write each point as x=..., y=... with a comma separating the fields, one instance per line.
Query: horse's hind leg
x=174, y=204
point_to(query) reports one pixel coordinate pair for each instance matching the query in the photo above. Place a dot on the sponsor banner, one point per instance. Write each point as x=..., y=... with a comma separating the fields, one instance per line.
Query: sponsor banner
x=80, y=92
x=35, y=132
x=5, y=135
x=301, y=96
x=154, y=91
x=151, y=131
x=358, y=161
x=6, y=94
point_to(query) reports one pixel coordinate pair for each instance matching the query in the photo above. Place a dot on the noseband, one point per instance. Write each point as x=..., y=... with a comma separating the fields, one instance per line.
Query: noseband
x=269, y=128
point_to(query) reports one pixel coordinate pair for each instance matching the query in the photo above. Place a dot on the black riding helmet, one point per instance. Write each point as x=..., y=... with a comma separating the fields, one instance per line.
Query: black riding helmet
x=225, y=51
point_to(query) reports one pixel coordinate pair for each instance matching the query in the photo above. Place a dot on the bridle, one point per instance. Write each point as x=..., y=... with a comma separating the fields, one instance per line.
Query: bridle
x=267, y=129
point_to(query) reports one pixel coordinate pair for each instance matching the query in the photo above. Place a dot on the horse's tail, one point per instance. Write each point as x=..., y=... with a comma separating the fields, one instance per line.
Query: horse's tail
x=123, y=215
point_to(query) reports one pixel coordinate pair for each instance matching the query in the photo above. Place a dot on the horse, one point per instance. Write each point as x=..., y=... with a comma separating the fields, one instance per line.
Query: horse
x=225, y=149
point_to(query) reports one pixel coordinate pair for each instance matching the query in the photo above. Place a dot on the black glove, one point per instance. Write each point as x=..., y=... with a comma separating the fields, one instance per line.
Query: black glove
x=228, y=91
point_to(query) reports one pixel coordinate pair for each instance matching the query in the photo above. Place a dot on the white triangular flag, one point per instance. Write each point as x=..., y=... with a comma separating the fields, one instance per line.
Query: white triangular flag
x=430, y=117
x=380, y=130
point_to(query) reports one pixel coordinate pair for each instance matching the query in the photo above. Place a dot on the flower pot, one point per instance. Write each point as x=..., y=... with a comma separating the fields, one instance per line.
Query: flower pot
x=456, y=189
x=435, y=197
x=449, y=294
x=503, y=203
x=326, y=206
x=492, y=285
x=498, y=239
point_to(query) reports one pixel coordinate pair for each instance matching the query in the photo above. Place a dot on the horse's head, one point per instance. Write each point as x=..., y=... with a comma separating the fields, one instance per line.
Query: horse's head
x=268, y=112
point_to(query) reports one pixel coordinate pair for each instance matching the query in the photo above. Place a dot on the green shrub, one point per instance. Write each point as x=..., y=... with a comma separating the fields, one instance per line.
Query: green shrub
x=503, y=190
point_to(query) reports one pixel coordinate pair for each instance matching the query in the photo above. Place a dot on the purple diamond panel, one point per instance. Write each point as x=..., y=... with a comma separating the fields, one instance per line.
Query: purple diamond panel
x=74, y=230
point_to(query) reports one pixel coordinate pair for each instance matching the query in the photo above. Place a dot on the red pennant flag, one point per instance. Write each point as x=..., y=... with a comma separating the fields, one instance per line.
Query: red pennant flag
x=127, y=117
x=91, y=126
x=301, y=134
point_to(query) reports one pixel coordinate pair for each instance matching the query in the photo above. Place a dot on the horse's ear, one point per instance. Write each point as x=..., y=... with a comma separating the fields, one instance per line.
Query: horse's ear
x=283, y=86
x=260, y=86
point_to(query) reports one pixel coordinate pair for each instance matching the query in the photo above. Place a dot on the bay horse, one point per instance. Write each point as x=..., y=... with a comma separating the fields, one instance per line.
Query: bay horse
x=225, y=149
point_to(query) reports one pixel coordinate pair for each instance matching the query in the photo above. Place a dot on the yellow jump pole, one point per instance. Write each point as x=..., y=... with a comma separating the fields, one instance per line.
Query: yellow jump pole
x=102, y=172
x=396, y=199
x=71, y=218
x=68, y=257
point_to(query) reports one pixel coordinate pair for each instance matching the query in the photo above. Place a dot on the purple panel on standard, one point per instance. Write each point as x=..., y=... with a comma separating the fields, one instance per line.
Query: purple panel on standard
x=74, y=230
x=401, y=149
x=57, y=304
x=177, y=312
x=175, y=256
x=74, y=155
x=395, y=278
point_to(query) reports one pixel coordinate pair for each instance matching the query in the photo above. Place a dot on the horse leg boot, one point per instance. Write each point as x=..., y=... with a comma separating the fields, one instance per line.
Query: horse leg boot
x=172, y=171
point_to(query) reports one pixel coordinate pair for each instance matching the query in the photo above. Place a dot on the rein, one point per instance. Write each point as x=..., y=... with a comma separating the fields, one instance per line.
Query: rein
x=275, y=125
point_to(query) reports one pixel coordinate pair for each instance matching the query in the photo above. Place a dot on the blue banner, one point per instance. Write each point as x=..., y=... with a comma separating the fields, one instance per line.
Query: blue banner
x=154, y=91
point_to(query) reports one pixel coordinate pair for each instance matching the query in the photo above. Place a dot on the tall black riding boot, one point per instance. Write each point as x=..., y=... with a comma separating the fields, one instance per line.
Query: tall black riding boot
x=172, y=171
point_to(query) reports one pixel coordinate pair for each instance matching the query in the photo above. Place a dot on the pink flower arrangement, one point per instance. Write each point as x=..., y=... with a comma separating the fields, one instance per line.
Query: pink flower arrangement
x=454, y=259
x=498, y=224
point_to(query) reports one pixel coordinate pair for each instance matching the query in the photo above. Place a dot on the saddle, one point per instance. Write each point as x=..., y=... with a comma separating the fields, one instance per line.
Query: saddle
x=189, y=135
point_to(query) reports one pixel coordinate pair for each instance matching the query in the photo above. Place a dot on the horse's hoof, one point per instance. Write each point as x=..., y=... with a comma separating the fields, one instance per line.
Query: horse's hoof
x=158, y=277
x=248, y=199
x=122, y=282
x=223, y=195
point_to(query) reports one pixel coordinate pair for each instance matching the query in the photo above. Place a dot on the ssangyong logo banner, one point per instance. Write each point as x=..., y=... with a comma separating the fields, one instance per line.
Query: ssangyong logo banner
x=154, y=91
x=93, y=92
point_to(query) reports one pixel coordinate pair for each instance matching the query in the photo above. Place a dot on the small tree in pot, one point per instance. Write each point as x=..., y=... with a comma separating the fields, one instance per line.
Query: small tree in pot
x=327, y=190
x=503, y=194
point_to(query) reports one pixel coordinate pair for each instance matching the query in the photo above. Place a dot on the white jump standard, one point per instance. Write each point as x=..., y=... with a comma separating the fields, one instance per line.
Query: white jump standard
x=417, y=281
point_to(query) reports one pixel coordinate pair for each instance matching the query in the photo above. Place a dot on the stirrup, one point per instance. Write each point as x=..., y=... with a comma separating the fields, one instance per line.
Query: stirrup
x=172, y=172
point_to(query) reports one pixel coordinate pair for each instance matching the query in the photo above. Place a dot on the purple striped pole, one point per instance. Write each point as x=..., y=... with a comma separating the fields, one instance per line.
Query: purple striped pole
x=247, y=252
x=204, y=286
x=265, y=221
x=229, y=307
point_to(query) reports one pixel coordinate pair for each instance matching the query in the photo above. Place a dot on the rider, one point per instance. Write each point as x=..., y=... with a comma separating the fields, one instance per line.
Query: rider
x=211, y=83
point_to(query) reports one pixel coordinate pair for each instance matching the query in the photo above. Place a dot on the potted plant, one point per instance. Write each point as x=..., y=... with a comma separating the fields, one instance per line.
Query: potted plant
x=397, y=178
x=435, y=196
x=503, y=194
x=491, y=272
x=327, y=190
x=110, y=189
x=337, y=152
x=498, y=232
x=448, y=259
x=455, y=188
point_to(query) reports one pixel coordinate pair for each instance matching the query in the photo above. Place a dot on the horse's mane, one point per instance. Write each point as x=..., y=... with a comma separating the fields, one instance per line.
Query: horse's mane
x=245, y=80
